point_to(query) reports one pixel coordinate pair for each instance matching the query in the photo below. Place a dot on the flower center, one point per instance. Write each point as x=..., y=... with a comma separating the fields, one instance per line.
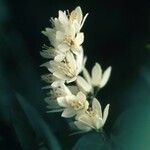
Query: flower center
x=91, y=113
x=73, y=16
x=77, y=105
x=68, y=70
x=68, y=40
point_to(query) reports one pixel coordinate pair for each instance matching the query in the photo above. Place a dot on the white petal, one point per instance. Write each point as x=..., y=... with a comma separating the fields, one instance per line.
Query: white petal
x=105, y=113
x=98, y=122
x=53, y=66
x=82, y=126
x=63, y=17
x=47, y=65
x=105, y=77
x=97, y=106
x=59, y=57
x=78, y=11
x=57, y=83
x=62, y=102
x=59, y=36
x=86, y=75
x=66, y=89
x=79, y=38
x=81, y=96
x=79, y=60
x=47, y=54
x=51, y=34
x=83, y=21
x=71, y=60
x=86, y=120
x=70, y=98
x=54, y=110
x=48, y=32
x=63, y=47
x=68, y=113
x=82, y=83
x=96, y=74
x=71, y=80
x=59, y=75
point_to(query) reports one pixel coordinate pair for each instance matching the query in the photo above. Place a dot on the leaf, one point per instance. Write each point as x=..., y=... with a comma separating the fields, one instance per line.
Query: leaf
x=132, y=129
x=23, y=130
x=92, y=140
x=39, y=126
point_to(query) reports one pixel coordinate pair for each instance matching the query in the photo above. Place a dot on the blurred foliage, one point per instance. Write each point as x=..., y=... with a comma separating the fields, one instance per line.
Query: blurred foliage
x=96, y=141
x=116, y=34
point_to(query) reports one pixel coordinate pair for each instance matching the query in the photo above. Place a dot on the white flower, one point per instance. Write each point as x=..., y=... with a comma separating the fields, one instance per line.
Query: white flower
x=66, y=40
x=52, y=53
x=77, y=18
x=65, y=34
x=60, y=90
x=97, y=79
x=64, y=19
x=69, y=40
x=73, y=105
x=57, y=90
x=51, y=34
x=92, y=118
x=65, y=70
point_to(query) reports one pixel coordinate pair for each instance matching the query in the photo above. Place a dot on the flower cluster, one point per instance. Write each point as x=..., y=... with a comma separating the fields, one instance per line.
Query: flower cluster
x=72, y=90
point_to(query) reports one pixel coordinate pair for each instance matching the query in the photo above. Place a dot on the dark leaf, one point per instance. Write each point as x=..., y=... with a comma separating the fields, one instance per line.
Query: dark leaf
x=95, y=141
x=132, y=129
x=38, y=125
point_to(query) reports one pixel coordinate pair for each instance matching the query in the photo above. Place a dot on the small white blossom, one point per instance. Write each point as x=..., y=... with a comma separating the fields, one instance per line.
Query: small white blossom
x=65, y=34
x=57, y=90
x=77, y=18
x=50, y=33
x=73, y=105
x=69, y=40
x=74, y=18
x=92, y=118
x=65, y=62
x=66, y=70
x=65, y=40
x=97, y=78
x=52, y=53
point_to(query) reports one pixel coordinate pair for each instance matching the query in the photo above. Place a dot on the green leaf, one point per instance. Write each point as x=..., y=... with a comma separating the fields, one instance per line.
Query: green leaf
x=132, y=129
x=93, y=140
x=38, y=125
x=23, y=130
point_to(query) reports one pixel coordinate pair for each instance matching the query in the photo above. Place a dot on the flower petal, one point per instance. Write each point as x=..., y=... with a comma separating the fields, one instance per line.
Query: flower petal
x=82, y=126
x=96, y=74
x=81, y=96
x=105, y=113
x=98, y=122
x=79, y=38
x=97, y=106
x=47, y=65
x=86, y=75
x=83, y=84
x=59, y=57
x=63, y=47
x=62, y=102
x=63, y=17
x=68, y=113
x=78, y=13
x=59, y=36
x=105, y=77
x=86, y=120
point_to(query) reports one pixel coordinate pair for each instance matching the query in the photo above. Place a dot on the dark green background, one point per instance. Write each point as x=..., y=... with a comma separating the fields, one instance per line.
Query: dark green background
x=117, y=33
